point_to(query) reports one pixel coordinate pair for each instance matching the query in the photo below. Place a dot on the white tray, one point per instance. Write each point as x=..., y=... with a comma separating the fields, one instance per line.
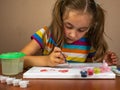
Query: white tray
x=73, y=72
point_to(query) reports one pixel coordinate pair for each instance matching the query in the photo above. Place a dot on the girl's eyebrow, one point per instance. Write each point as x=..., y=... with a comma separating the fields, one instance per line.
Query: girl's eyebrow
x=73, y=25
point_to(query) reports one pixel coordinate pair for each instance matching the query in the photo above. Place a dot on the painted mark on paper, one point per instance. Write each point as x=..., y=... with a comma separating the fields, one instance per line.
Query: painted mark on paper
x=43, y=70
x=63, y=71
x=54, y=70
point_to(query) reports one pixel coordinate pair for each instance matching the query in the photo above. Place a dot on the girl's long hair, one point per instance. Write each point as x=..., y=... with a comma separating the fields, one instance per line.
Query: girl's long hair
x=96, y=32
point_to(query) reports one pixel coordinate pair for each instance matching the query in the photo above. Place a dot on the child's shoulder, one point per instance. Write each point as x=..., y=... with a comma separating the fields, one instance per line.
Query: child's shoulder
x=42, y=29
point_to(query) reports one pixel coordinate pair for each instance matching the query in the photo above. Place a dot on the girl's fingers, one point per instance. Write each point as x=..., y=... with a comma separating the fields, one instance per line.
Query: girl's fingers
x=114, y=60
x=57, y=49
x=59, y=55
x=59, y=61
x=114, y=57
x=114, y=63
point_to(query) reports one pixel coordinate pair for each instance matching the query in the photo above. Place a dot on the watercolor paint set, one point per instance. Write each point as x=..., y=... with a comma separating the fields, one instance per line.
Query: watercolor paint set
x=13, y=81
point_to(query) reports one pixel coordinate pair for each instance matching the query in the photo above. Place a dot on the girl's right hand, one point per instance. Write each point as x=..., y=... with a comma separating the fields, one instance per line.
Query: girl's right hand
x=56, y=57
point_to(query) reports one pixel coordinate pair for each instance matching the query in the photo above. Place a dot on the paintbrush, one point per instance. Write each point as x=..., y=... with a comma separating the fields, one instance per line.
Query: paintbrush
x=64, y=57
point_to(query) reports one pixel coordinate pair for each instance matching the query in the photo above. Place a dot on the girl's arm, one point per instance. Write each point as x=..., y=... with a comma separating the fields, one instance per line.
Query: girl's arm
x=49, y=60
x=31, y=48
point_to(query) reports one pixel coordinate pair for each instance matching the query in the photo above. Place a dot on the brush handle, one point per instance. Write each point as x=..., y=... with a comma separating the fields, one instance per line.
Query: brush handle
x=64, y=56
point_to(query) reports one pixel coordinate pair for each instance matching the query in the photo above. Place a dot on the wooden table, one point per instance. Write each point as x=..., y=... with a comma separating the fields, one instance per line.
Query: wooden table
x=60, y=84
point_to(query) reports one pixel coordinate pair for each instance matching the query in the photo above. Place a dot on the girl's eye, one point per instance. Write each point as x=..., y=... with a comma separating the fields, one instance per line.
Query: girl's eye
x=82, y=30
x=68, y=26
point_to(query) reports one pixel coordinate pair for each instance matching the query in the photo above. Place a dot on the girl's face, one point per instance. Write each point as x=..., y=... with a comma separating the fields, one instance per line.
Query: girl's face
x=76, y=25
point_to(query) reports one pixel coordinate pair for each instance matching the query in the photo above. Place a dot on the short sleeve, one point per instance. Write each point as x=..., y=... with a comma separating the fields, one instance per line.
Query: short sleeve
x=39, y=36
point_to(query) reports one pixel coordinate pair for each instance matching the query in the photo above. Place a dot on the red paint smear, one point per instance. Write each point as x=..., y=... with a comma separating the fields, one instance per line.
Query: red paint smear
x=63, y=71
x=43, y=70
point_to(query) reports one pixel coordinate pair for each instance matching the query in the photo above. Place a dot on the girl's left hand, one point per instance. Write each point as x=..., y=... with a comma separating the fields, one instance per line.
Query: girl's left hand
x=111, y=58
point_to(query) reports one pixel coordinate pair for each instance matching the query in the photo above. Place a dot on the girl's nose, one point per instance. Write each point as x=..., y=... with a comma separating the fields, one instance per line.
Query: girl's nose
x=73, y=34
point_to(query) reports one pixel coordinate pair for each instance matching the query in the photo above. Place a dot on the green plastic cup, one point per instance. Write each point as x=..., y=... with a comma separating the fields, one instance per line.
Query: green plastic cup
x=12, y=63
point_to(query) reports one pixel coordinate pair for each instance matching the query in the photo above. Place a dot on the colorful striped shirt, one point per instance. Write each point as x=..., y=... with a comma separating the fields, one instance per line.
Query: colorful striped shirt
x=76, y=52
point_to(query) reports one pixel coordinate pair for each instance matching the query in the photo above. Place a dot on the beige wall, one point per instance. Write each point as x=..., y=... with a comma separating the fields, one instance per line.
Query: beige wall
x=19, y=19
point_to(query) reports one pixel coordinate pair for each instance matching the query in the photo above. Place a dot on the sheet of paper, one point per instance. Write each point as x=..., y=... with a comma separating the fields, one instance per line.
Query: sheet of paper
x=63, y=71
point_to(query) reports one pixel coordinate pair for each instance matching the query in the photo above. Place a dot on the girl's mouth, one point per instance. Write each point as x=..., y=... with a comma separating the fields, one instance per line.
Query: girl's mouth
x=68, y=40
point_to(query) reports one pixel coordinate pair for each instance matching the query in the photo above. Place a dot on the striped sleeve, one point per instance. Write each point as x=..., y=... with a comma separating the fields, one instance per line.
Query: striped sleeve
x=38, y=36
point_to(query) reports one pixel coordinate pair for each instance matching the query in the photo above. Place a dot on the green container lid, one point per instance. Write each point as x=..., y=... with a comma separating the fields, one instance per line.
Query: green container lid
x=12, y=55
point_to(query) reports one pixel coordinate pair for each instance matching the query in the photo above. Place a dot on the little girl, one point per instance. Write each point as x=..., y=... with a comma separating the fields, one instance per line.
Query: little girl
x=76, y=34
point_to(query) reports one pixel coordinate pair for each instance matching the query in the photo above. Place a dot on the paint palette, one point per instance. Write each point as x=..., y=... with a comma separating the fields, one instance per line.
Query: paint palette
x=65, y=71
